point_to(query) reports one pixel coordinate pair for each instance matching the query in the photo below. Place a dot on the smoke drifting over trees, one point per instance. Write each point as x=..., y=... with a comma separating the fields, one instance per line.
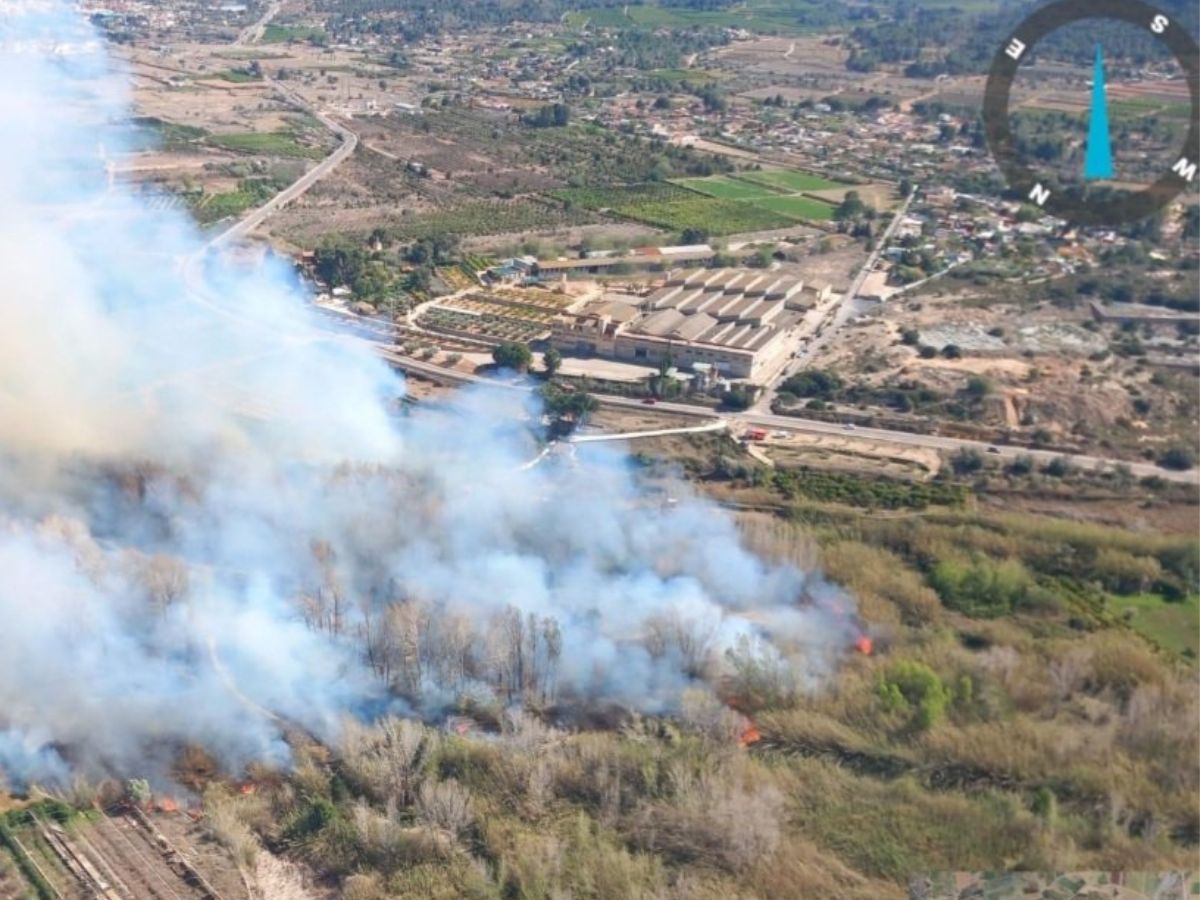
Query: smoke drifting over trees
x=211, y=521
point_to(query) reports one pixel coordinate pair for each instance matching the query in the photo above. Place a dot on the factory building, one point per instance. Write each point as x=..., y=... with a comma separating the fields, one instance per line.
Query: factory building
x=739, y=322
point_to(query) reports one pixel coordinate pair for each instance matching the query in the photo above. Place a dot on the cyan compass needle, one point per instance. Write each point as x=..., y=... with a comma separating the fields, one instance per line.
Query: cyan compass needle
x=1099, y=162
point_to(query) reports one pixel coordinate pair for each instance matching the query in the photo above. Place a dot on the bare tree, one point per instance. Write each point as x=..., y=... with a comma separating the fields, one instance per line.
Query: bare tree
x=445, y=805
x=166, y=580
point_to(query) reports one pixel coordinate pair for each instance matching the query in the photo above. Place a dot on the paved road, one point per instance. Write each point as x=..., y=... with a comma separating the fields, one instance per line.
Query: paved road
x=720, y=424
x=252, y=34
x=349, y=140
x=908, y=439
x=840, y=313
x=802, y=426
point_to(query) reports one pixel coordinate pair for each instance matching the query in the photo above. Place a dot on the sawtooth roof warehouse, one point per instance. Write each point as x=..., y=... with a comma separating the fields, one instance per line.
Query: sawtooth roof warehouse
x=738, y=321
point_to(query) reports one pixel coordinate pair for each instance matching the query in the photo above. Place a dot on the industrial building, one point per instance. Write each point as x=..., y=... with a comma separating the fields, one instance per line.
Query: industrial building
x=739, y=321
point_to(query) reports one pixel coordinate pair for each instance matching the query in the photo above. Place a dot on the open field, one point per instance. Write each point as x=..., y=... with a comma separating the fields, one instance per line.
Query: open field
x=279, y=143
x=1174, y=626
x=785, y=181
x=726, y=188
x=676, y=208
x=797, y=207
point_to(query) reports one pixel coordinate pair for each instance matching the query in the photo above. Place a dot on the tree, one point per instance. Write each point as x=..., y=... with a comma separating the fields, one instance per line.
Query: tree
x=693, y=236
x=852, y=207
x=1022, y=465
x=978, y=387
x=966, y=461
x=813, y=383
x=1178, y=458
x=551, y=361
x=555, y=115
x=567, y=409
x=1059, y=467
x=512, y=356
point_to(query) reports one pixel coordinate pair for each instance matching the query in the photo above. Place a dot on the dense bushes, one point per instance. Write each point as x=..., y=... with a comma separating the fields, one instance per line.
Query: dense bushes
x=913, y=688
x=982, y=587
x=854, y=491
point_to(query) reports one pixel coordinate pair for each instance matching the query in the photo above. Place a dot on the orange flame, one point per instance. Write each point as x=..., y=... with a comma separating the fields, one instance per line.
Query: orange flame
x=749, y=735
x=167, y=805
x=864, y=645
x=247, y=787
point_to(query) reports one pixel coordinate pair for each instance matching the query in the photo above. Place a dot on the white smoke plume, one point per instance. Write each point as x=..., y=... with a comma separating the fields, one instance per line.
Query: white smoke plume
x=212, y=519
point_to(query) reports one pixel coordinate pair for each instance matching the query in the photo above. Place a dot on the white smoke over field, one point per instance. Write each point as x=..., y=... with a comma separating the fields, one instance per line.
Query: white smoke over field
x=212, y=520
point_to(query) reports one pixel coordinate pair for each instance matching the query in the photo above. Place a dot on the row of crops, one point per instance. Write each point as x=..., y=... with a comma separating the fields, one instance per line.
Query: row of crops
x=486, y=326
x=676, y=208
x=487, y=217
x=483, y=306
x=457, y=278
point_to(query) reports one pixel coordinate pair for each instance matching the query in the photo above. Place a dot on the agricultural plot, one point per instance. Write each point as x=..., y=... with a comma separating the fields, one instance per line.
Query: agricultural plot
x=797, y=207
x=707, y=214
x=791, y=182
x=776, y=192
x=484, y=217
x=270, y=143
x=725, y=188
x=457, y=278
x=675, y=208
x=482, y=305
x=763, y=16
x=286, y=34
x=481, y=326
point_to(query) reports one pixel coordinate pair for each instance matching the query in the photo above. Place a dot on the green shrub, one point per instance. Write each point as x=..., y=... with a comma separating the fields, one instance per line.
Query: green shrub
x=912, y=687
x=981, y=587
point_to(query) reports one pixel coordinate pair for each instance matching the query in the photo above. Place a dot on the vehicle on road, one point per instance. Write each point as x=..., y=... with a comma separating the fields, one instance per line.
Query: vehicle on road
x=993, y=449
x=649, y=401
x=850, y=426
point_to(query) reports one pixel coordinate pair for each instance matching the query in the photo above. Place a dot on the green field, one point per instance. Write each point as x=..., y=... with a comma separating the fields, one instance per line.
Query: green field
x=725, y=188
x=676, y=208
x=692, y=76
x=270, y=143
x=282, y=34
x=708, y=214
x=776, y=192
x=794, y=182
x=1140, y=108
x=797, y=207
x=762, y=16
x=237, y=76
x=1175, y=626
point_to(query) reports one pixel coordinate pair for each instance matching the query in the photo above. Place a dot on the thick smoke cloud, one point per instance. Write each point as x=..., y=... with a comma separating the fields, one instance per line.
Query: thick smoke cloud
x=213, y=521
